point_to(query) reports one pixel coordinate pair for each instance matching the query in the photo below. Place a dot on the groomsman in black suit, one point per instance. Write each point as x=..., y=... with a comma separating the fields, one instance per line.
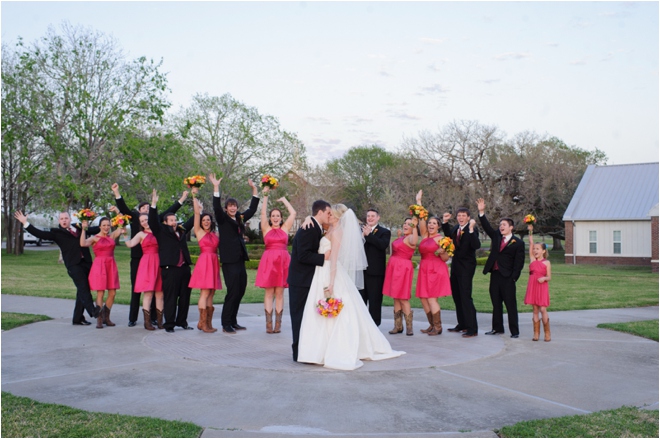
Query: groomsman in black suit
x=175, y=265
x=505, y=262
x=77, y=260
x=233, y=252
x=136, y=251
x=305, y=258
x=463, y=266
x=376, y=242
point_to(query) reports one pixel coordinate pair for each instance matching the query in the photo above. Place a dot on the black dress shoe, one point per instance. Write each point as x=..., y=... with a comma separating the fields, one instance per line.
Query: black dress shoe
x=185, y=327
x=514, y=335
x=154, y=322
x=470, y=334
x=494, y=332
x=238, y=327
x=228, y=329
x=455, y=329
x=131, y=324
x=83, y=322
x=169, y=329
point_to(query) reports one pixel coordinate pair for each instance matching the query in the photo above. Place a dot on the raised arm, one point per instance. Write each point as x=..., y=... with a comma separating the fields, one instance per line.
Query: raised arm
x=473, y=235
x=84, y=240
x=30, y=228
x=422, y=223
x=220, y=214
x=530, y=230
x=292, y=214
x=199, y=232
x=413, y=237
x=154, y=220
x=254, y=203
x=481, y=207
x=265, y=227
x=120, y=202
x=177, y=204
x=446, y=228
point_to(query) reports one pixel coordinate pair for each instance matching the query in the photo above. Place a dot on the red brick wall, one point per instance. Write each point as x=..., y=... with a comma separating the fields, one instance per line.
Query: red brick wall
x=654, y=243
x=568, y=243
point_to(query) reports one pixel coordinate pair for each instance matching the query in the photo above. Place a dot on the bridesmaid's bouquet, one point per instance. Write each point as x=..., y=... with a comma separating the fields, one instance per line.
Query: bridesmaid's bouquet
x=530, y=219
x=120, y=220
x=269, y=181
x=447, y=245
x=329, y=307
x=418, y=211
x=194, y=181
x=86, y=214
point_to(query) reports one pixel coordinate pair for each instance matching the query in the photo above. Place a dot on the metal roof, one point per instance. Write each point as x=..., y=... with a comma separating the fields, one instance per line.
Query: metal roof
x=617, y=192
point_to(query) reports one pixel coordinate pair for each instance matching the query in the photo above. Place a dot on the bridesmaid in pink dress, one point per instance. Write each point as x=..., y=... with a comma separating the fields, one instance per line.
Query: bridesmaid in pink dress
x=399, y=276
x=538, y=294
x=433, y=276
x=274, y=264
x=206, y=275
x=148, y=281
x=103, y=275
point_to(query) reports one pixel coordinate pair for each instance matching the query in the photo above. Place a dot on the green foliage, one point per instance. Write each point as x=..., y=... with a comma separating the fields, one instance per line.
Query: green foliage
x=25, y=417
x=12, y=320
x=645, y=328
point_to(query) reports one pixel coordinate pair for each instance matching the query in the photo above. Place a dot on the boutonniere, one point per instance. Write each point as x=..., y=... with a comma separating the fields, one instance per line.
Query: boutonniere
x=375, y=230
x=511, y=242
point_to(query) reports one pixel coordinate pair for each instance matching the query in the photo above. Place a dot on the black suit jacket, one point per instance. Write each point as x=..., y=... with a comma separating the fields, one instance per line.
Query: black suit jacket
x=305, y=256
x=465, y=258
x=72, y=252
x=169, y=245
x=232, y=244
x=375, y=246
x=511, y=260
x=136, y=251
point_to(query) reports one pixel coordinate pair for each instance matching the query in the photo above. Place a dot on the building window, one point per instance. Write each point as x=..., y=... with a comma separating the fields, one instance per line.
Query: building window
x=616, y=239
x=593, y=248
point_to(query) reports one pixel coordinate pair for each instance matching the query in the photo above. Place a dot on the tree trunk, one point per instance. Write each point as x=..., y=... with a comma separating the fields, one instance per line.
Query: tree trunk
x=556, y=244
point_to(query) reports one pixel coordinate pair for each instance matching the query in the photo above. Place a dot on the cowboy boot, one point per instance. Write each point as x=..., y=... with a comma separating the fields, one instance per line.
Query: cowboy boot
x=409, y=323
x=546, y=329
x=437, y=325
x=278, y=322
x=106, y=316
x=398, y=324
x=147, y=320
x=209, y=318
x=537, y=329
x=269, y=321
x=201, y=324
x=99, y=319
x=159, y=318
x=429, y=316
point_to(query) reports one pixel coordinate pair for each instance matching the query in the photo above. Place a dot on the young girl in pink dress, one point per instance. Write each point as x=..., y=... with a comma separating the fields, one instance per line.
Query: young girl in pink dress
x=399, y=276
x=538, y=294
x=103, y=275
x=206, y=275
x=274, y=265
x=433, y=276
x=148, y=281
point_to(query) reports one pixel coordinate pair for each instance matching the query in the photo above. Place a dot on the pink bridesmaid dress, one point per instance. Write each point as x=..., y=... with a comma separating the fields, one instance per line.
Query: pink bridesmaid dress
x=148, y=275
x=537, y=294
x=399, y=271
x=206, y=274
x=104, y=275
x=274, y=265
x=433, y=276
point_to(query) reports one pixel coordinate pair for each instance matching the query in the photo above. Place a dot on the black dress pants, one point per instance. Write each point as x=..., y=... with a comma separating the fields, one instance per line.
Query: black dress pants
x=297, y=300
x=79, y=273
x=176, y=294
x=236, y=283
x=503, y=289
x=461, y=292
x=372, y=294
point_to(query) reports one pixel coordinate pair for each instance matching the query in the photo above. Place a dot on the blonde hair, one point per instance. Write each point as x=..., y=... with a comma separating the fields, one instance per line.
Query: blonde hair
x=338, y=210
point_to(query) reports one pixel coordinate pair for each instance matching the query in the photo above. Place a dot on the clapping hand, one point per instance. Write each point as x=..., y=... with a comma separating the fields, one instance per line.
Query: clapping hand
x=472, y=224
x=366, y=230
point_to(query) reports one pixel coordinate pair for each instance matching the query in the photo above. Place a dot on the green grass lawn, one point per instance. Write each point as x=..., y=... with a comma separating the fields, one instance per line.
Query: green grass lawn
x=12, y=320
x=24, y=417
x=573, y=287
x=621, y=422
x=644, y=328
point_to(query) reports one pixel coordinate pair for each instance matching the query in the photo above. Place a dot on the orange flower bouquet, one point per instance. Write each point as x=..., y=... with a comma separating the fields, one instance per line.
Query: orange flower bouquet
x=86, y=214
x=269, y=181
x=330, y=307
x=194, y=181
x=418, y=211
x=447, y=244
x=120, y=220
x=530, y=219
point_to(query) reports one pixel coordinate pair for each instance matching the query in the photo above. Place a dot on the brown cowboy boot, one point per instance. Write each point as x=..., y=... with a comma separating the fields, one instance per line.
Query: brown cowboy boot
x=398, y=324
x=269, y=321
x=278, y=322
x=209, y=318
x=147, y=320
x=409, y=323
x=159, y=318
x=546, y=329
x=106, y=316
x=99, y=319
x=537, y=329
x=429, y=316
x=201, y=324
x=437, y=325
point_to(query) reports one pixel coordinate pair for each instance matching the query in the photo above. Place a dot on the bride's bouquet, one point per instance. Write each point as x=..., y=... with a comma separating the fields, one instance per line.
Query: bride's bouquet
x=329, y=307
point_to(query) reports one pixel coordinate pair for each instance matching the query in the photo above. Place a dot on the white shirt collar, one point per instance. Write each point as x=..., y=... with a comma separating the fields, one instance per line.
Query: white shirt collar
x=508, y=237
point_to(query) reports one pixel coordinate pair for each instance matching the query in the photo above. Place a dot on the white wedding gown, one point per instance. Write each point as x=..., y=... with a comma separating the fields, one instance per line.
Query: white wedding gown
x=340, y=342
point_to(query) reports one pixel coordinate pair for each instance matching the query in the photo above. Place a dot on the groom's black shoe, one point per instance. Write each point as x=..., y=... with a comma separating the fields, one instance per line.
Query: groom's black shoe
x=494, y=332
x=228, y=329
x=82, y=322
x=455, y=329
x=238, y=327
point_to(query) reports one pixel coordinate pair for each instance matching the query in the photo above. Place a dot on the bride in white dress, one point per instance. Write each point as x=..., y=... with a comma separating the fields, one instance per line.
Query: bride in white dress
x=341, y=342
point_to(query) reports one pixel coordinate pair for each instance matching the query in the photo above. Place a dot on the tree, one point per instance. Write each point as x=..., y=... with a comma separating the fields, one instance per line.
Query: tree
x=236, y=141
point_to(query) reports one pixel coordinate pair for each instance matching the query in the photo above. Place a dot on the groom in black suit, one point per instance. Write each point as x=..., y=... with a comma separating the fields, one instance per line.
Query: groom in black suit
x=77, y=259
x=505, y=262
x=305, y=258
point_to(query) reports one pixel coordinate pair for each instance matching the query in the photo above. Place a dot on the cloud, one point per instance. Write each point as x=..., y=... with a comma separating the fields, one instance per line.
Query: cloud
x=354, y=120
x=437, y=67
x=376, y=56
x=552, y=44
x=608, y=57
x=321, y=120
x=579, y=62
x=435, y=41
x=512, y=55
x=385, y=74
x=579, y=22
x=490, y=81
x=327, y=141
x=402, y=115
x=416, y=51
x=435, y=88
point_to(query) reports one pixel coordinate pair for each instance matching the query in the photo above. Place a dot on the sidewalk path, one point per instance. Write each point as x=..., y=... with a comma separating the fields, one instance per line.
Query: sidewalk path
x=246, y=385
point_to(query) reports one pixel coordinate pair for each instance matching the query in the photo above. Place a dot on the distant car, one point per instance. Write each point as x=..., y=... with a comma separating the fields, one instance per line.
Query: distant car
x=29, y=238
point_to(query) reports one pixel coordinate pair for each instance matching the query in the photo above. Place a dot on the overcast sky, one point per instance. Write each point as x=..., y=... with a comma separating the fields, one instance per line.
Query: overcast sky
x=354, y=73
